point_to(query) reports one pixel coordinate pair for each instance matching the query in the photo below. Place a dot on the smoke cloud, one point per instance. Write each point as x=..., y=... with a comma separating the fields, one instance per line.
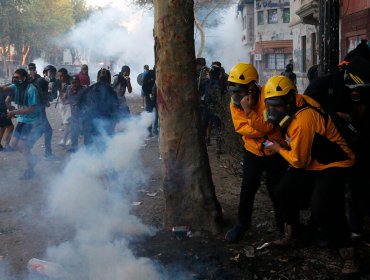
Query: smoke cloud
x=115, y=36
x=93, y=195
x=223, y=43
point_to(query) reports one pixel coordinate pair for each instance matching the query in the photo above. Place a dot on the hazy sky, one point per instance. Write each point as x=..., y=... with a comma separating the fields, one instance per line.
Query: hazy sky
x=103, y=3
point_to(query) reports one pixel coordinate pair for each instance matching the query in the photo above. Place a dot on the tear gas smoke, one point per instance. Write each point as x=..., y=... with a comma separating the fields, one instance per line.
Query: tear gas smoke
x=115, y=36
x=93, y=195
x=223, y=43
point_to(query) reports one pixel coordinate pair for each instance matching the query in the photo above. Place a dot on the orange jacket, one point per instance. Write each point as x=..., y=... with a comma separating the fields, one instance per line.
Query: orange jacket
x=254, y=129
x=315, y=143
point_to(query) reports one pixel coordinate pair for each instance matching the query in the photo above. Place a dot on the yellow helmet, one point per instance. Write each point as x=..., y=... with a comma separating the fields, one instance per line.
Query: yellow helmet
x=243, y=73
x=278, y=86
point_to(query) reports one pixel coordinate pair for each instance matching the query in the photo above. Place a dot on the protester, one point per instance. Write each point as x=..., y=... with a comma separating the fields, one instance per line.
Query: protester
x=146, y=70
x=289, y=73
x=44, y=126
x=247, y=109
x=319, y=160
x=99, y=109
x=62, y=84
x=358, y=83
x=212, y=103
x=6, y=124
x=121, y=83
x=28, y=115
x=83, y=76
x=150, y=103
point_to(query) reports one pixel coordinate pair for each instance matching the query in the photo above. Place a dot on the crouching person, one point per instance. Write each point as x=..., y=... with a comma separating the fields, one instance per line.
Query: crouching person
x=319, y=158
x=247, y=109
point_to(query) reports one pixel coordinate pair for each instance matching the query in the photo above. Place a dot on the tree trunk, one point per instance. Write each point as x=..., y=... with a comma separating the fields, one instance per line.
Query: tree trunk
x=25, y=52
x=187, y=180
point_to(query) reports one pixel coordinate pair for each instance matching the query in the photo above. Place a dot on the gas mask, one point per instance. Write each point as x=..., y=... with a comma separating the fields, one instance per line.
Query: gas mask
x=276, y=112
x=239, y=93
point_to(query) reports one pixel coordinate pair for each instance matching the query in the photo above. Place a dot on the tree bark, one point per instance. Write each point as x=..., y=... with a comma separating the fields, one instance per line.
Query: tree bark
x=187, y=180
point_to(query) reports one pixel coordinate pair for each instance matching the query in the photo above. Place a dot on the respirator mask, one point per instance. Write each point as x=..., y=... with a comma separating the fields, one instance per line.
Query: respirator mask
x=276, y=112
x=240, y=91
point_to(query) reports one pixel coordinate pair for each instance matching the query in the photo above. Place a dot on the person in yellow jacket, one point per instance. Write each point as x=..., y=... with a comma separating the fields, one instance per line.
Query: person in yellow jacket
x=319, y=160
x=247, y=109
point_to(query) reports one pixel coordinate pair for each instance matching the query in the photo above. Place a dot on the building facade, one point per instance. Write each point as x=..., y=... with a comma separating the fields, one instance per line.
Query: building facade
x=355, y=16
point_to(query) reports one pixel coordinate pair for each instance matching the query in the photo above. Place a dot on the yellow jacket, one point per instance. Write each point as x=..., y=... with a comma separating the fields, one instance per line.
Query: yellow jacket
x=315, y=143
x=254, y=129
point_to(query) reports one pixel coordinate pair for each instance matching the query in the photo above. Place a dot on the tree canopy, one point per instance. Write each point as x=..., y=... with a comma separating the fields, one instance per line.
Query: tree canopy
x=31, y=26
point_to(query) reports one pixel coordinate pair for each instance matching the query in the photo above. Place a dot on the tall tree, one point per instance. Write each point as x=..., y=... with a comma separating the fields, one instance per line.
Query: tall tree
x=42, y=22
x=188, y=187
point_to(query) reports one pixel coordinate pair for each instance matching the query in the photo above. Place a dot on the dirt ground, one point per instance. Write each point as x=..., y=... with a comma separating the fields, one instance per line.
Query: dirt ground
x=25, y=230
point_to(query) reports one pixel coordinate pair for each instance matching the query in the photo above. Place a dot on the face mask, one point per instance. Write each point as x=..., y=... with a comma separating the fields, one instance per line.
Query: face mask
x=276, y=117
x=18, y=83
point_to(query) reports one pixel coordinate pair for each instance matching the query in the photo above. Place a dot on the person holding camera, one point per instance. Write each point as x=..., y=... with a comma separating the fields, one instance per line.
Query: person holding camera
x=247, y=109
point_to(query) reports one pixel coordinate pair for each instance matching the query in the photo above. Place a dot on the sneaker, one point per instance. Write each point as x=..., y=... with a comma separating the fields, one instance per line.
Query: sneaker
x=69, y=142
x=235, y=233
x=28, y=174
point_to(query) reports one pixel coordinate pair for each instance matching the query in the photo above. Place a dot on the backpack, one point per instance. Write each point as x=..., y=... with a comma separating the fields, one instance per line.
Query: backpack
x=148, y=82
x=330, y=92
x=42, y=90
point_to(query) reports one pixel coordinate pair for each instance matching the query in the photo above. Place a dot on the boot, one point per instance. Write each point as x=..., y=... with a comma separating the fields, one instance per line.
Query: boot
x=287, y=239
x=350, y=269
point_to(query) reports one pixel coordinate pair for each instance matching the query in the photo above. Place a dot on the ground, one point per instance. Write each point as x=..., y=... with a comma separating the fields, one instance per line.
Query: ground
x=25, y=230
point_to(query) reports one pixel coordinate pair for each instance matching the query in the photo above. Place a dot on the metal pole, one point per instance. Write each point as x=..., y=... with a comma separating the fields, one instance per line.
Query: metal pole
x=329, y=35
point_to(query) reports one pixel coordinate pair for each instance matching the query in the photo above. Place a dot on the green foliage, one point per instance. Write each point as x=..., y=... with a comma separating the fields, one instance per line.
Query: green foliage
x=36, y=24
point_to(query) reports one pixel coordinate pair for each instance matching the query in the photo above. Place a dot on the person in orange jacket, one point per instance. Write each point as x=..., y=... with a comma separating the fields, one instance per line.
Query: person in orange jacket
x=319, y=160
x=247, y=109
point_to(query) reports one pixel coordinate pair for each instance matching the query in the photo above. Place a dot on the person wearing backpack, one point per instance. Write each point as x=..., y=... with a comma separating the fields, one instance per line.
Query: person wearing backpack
x=44, y=127
x=28, y=114
x=320, y=161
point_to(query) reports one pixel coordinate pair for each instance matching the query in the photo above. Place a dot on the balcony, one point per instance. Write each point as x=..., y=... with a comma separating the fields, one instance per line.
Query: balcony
x=309, y=12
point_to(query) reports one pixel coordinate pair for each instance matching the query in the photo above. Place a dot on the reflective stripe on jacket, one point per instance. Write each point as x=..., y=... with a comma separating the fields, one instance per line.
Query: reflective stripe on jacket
x=315, y=142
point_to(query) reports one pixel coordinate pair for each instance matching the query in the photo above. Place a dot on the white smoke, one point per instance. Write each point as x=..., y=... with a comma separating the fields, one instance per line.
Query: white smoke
x=223, y=43
x=115, y=36
x=93, y=194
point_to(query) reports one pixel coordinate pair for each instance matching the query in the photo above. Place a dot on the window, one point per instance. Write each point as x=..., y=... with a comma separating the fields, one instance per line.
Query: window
x=277, y=61
x=286, y=15
x=303, y=42
x=260, y=19
x=272, y=16
x=271, y=61
x=280, y=63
